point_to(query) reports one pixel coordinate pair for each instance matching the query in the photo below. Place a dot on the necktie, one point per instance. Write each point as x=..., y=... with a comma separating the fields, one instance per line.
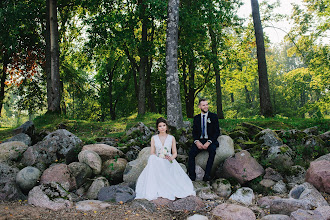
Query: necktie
x=203, y=126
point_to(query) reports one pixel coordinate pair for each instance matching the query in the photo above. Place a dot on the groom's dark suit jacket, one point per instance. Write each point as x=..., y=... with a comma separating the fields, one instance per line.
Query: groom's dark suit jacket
x=213, y=130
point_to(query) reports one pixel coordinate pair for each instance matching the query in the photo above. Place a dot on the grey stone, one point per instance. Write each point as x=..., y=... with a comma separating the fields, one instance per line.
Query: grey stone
x=92, y=159
x=207, y=194
x=280, y=155
x=243, y=195
x=280, y=187
x=134, y=168
x=287, y=206
x=11, y=151
x=267, y=183
x=26, y=139
x=324, y=211
x=225, y=150
x=105, y=151
x=265, y=202
x=201, y=185
x=51, y=196
x=116, y=193
x=275, y=217
x=197, y=217
x=199, y=173
x=96, y=186
x=268, y=138
x=312, y=131
x=113, y=170
x=306, y=215
x=308, y=193
x=26, y=128
x=222, y=187
x=9, y=191
x=91, y=205
x=298, y=176
x=81, y=172
x=142, y=204
x=64, y=139
x=27, y=178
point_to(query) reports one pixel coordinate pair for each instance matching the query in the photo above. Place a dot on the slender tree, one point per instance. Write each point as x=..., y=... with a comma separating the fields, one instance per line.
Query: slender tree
x=174, y=108
x=265, y=102
x=53, y=79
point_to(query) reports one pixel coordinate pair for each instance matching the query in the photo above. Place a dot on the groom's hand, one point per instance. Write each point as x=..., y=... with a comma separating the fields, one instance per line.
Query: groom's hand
x=199, y=145
x=206, y=145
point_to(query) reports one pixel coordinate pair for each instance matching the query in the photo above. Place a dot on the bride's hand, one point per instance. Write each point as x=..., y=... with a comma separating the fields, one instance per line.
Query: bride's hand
x=168, y=158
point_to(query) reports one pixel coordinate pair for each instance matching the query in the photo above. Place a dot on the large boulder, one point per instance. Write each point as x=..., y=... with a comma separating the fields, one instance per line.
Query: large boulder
x=134, y=168
x=64, y=139
x=308, y=193
x=225, y=150
x=269, y=138
x=318, y=174
x=59, y=173
x=275, y=217
x=81, y=172
x=105, y=151
x=296, y=176
x=26, y=139
x=113, y=170
x=9, y=191
x=116, y=193
x=292, y=137
x=92, y=159
x=41, y=155
x=12, y=151
x=243, y=167
x=139, y=130
x=227, y=211
x=51, y=196
x=27, y=178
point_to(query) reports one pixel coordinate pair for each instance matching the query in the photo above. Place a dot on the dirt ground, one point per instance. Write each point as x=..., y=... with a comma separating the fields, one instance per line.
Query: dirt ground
x=22, y=210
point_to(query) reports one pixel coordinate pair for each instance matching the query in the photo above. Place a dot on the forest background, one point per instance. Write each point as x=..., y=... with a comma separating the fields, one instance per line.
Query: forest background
x=112, y=59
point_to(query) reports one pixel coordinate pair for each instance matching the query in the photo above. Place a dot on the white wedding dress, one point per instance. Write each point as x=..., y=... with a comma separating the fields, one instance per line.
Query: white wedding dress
x=161, y=178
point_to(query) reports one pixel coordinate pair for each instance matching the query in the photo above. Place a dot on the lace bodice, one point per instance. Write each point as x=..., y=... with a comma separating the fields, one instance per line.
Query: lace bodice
x=163, y=149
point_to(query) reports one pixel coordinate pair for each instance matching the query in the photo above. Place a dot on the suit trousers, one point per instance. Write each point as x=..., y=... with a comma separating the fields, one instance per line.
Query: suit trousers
x=192, y=155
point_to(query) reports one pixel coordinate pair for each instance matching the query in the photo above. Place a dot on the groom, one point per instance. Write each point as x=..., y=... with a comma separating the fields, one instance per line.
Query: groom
x=205, y=133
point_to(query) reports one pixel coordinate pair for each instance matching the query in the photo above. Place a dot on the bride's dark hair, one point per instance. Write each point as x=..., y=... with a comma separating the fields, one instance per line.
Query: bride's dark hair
x=160, y=120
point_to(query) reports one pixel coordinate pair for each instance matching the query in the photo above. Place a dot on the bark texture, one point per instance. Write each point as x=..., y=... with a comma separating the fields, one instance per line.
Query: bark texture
x=265, y=102
x=53, y=80
x=174, y=108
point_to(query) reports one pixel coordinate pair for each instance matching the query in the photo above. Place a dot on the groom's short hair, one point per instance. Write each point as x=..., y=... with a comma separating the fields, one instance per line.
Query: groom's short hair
x=202, y=100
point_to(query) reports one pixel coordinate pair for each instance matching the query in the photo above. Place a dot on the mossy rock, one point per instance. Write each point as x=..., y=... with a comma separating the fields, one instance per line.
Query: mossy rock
x=239, y=135
x=252, y=129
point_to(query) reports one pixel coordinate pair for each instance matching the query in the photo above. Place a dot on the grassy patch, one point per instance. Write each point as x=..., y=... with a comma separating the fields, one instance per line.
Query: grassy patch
x=88, y=131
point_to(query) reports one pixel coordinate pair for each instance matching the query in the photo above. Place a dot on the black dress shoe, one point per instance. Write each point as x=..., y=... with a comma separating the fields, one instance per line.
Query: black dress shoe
x=206, y=178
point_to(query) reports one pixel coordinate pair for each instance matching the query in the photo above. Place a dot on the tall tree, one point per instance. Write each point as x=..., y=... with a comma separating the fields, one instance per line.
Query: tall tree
x=53, y=77
x=264, y=95
x=174, y=108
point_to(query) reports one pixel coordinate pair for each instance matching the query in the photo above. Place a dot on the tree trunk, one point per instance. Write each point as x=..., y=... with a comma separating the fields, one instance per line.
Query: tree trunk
x=143, y=61
x=190, y=95
x=214, y=46
x=150, y=97
x=265, y=102
x=54, y=105
x=174, y=108
x=232, y=97
x=3, y=79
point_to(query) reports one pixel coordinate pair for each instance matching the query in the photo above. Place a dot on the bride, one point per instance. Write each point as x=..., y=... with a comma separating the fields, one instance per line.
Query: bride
x=163, y=176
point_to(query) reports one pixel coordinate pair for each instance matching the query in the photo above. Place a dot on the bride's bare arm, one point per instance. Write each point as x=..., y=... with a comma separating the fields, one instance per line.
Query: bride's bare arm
x=153, y=148
x=174, y=151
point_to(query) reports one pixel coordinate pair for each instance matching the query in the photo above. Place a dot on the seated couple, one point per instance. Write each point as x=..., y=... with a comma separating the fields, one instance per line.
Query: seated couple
x=163, y=176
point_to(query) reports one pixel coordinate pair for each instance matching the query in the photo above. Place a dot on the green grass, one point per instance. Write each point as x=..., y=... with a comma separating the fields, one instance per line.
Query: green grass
x=88, y=131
